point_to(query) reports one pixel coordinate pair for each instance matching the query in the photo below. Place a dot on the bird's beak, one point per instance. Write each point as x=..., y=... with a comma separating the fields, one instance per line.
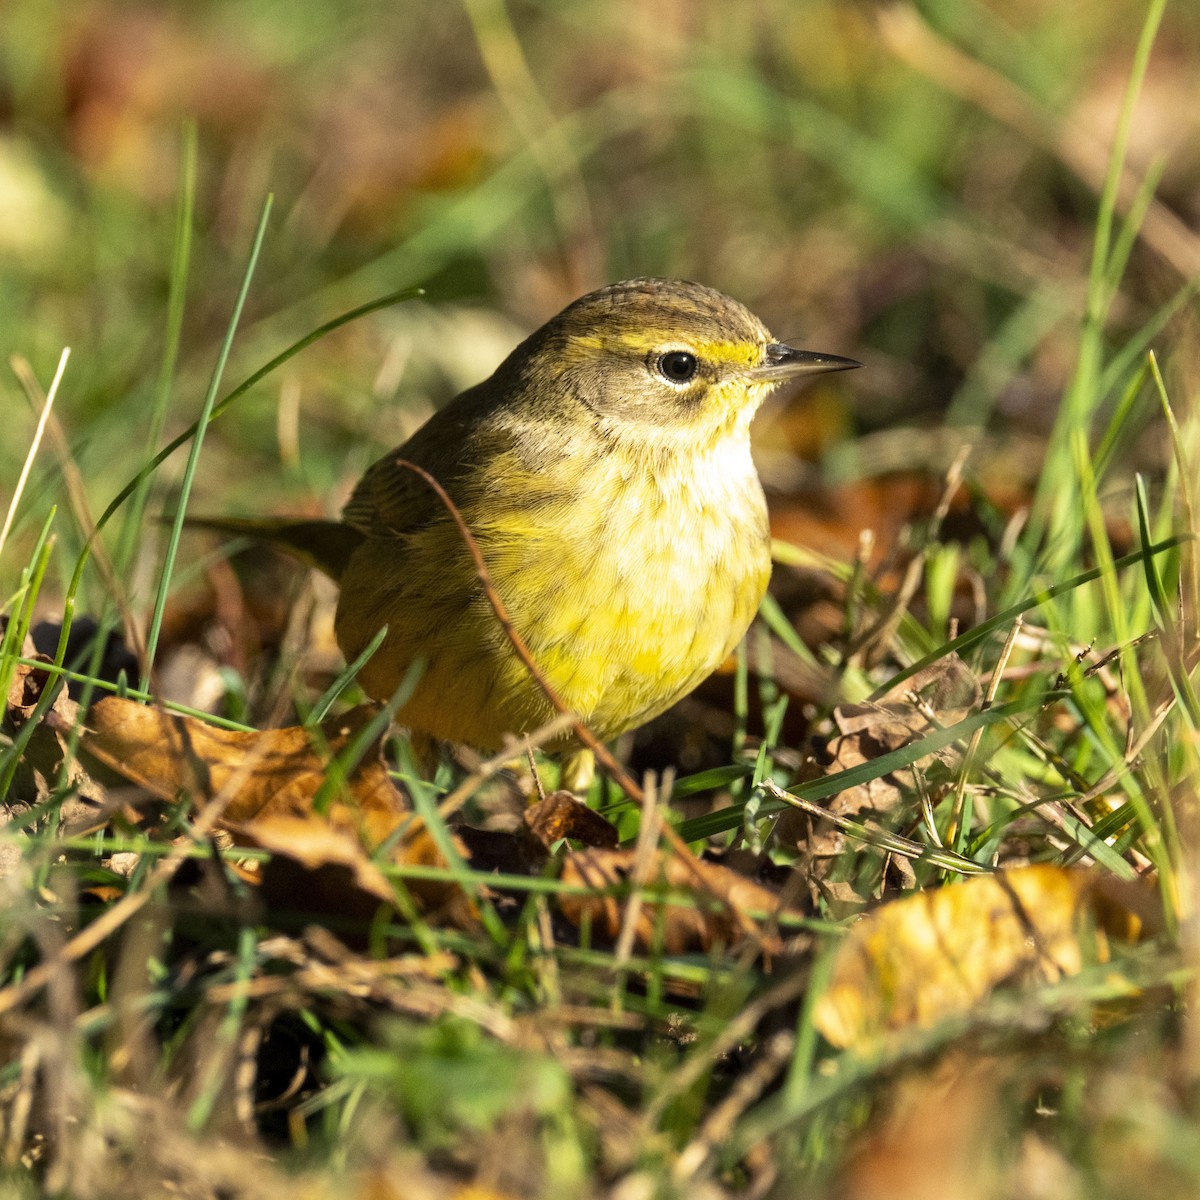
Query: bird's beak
x=786, y=362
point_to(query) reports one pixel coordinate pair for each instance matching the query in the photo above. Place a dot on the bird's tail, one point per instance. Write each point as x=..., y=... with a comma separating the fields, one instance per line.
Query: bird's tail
x=326, y=545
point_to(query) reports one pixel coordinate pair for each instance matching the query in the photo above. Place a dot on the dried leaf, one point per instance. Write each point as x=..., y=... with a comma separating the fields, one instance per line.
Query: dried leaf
x=333, y=873
x=868, y=802
x=269, y=774
x=716, y=899
x=322, y=862
x=42, y=763
x=313, y=845
x=947, y=691
x=29, y=684
x=940, y=952
x=560, y=815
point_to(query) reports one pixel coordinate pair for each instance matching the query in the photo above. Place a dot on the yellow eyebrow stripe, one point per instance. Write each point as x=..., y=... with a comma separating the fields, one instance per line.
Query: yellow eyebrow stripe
x=643, y=341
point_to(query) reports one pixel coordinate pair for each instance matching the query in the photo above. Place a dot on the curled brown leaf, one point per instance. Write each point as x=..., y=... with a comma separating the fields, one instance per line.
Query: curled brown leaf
x=715, y=909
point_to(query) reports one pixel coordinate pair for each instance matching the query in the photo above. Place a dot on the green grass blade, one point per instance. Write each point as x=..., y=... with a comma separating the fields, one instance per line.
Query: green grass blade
x=176, y=297
x=1154, y=585
x=344, y=679
x=984, y=629
x=189, y=471
x=895, y=760
x=218, y=409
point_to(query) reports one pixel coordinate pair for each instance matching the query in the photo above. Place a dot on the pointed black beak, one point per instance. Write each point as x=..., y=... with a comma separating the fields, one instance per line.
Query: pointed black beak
x=786, y=362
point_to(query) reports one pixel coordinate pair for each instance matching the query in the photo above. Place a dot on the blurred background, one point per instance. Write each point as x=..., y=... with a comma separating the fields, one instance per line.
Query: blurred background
x=914, y=186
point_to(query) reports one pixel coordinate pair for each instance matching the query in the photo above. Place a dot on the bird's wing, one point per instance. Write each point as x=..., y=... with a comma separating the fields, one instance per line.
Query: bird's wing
x=390, y=500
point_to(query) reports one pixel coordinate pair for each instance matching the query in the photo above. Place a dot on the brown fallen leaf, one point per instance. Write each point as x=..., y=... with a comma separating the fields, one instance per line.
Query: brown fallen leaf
x=268, y=774
x=560, y=815
x=935, y=1135
x=44, y=760
x=315, y=868
x=878, y=803
x=26, y=688
x=940, y=695
x=269, y=781
x=314, y=845
x=322, y=861
x=938, y=953
x=716, y=898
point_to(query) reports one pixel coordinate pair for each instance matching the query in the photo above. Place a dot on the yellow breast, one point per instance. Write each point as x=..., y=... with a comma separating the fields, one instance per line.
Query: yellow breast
x=630, y=579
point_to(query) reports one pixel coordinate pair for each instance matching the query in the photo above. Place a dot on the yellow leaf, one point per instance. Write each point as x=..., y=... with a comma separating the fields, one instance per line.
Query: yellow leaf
x=938, y=953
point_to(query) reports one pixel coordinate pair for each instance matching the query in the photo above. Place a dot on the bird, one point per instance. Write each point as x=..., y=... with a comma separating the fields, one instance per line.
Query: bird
x=604, y=471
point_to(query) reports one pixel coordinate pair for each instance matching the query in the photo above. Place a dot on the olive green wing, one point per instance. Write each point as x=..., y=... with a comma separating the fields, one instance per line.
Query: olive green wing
x=392, y=501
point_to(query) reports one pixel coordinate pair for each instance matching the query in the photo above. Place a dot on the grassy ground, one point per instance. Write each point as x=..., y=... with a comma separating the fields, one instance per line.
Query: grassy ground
x=994, y=210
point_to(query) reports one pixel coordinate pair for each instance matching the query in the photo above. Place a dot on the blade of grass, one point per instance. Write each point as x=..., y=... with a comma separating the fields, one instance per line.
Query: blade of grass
x=1120, y=426
x=1131, y=226
x=338, y=772
x=345, y=677
x=1099, y=286
x=461, y=874
x=181, y=258
x=776, y=621
x=984, y=629
x=23, y=478
x=242, y=388
x=1053, y=524
x=800, y=1075
x=895, y=760
x=32, y=581
x=193, y=461
x=713, y=778
x=57, y=671
x=1186, y=474
x=1158, y=597
x=132, y=531
x=881, y=839
x=1166, y=618
x=11, y=645
x=1139, y=344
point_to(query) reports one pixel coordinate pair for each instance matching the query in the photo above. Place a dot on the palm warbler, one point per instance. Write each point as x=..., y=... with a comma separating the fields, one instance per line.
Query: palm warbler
x=605, y=473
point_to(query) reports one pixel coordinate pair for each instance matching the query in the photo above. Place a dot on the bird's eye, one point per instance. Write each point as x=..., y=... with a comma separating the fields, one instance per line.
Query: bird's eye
x=678, y=366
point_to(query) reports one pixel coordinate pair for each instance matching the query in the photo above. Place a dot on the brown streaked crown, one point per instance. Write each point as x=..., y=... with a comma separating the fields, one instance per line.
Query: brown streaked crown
x=672, y=305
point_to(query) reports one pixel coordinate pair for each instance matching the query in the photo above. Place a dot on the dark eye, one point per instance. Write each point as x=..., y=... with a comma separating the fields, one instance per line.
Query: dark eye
x=678, y=366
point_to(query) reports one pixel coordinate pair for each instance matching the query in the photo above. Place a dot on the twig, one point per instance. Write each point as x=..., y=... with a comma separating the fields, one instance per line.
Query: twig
x=582, y=732
x=639, y=875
